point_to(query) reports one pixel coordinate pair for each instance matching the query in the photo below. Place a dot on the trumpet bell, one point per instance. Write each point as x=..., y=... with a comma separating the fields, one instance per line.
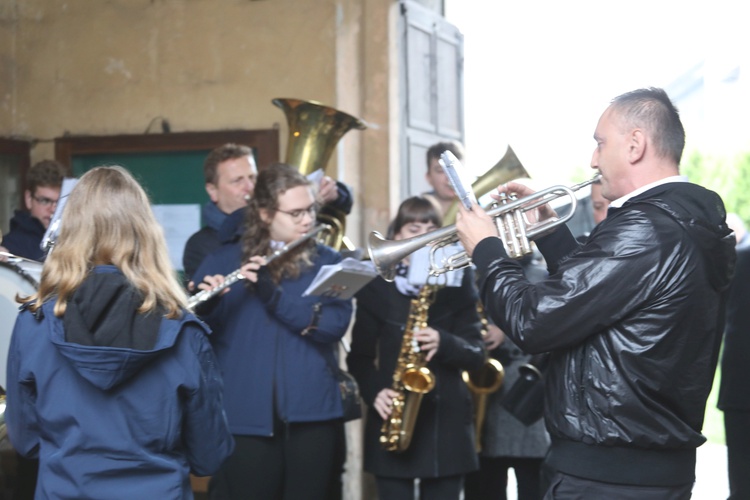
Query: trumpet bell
x=386, y=254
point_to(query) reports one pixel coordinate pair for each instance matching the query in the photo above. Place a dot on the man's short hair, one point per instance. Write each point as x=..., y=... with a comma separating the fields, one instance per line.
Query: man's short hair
x=652, y=109
x=221, y=154
x=436, y=150
x=46, y=173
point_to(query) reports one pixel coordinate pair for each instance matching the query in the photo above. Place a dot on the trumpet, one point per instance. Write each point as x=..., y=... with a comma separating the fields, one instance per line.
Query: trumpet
x=510, y=219
x=235, y=276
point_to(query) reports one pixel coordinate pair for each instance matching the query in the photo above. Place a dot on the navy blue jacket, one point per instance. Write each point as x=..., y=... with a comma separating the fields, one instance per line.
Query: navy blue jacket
x=264, y=357
x=25, y=236
x=115, y=422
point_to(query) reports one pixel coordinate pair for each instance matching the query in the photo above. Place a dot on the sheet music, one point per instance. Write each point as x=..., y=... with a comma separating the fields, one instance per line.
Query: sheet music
x=459, y=180
x=50, y=235
x=341, y=280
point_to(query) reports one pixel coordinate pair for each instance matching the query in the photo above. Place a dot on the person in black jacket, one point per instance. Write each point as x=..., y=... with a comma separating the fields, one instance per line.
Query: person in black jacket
x=442, y=448
x=734, y=396
x=633, y=316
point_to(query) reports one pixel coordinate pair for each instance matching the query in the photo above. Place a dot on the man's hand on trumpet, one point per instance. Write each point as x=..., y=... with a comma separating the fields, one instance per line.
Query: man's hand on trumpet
x=472, y=226
x=475, y=225
x=518, y=190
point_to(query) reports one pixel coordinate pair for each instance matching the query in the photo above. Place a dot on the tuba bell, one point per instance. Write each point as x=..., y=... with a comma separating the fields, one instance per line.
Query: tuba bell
x=314, y=131
x=508, y=168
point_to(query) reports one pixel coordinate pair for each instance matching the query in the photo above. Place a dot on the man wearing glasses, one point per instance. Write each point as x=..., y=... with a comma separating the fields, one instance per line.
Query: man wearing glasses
x=27, y=227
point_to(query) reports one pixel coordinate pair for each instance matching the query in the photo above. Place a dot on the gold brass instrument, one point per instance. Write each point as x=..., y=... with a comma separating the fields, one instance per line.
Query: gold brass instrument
x=411, y=378
x=483, y=382
x=510, y=219
x=235, y=276
x=507, y=169
x=314, y=131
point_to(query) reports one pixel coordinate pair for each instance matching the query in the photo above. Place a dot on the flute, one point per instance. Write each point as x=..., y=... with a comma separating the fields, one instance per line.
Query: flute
x=235, y=276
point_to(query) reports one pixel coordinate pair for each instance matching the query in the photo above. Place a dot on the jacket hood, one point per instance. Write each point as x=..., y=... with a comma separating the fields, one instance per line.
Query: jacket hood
x=103, y=336
x=701, y=214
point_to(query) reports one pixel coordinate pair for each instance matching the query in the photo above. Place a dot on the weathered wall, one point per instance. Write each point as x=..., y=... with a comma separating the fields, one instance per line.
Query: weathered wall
x=111, y=67
x=108, y=67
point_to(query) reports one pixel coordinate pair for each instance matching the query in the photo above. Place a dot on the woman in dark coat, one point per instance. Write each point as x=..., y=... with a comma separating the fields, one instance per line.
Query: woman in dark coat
x=442, y=447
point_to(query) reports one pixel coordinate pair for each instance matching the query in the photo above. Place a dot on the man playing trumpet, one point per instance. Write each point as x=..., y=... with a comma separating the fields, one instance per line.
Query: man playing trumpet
x=633, y=317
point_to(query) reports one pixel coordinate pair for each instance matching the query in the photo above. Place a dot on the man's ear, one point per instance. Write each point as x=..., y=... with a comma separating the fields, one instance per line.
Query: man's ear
x=213, y=192
x=27, y=199
x=637, y=145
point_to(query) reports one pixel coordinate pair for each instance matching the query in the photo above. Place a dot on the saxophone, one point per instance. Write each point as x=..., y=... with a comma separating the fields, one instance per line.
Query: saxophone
x=411, y=379
x=483, y=382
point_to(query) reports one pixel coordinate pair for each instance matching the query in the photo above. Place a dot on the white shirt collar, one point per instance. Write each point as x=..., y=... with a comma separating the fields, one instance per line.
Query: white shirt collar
x=619, y=202
x=276, y=245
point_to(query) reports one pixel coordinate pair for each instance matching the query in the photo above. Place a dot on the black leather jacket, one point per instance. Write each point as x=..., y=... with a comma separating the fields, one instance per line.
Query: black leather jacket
x=634, y=317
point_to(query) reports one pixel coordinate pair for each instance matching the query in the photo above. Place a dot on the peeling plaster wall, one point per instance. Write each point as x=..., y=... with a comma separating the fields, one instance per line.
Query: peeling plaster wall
x=87, y=66
x=107, y=67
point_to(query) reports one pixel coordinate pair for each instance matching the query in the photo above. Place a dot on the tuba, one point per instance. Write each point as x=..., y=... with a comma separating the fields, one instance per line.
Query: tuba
x=411, y=378
x=507, y=169
x=314, y=131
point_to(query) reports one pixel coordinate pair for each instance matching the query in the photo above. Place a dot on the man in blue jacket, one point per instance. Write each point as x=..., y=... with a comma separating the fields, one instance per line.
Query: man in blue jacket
x=633, y=316
x=27, y=227
x=230, y=172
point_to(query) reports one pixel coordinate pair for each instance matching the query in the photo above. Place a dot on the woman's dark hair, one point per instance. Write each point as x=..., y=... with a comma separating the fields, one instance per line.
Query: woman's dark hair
x=256, y=238
x=414, y=209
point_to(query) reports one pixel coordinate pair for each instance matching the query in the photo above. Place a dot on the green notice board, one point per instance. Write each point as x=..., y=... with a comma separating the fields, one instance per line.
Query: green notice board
x=174, y=182
x=168, y=178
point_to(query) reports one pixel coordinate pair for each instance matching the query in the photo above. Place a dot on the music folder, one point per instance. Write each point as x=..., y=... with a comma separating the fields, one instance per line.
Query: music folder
x=341, y=280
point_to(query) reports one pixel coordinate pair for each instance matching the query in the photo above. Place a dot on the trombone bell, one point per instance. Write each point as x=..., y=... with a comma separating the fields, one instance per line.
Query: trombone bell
x=508, y=168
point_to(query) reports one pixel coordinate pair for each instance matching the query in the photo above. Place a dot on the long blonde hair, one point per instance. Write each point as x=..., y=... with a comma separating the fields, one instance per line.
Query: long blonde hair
x=108, y=220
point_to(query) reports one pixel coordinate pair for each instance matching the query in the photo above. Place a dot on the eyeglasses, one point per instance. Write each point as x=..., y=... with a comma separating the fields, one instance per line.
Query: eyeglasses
x=298, y=215
x=44, y=201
